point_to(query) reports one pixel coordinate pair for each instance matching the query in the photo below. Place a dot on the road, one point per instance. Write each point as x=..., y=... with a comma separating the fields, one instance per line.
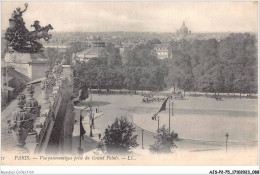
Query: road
x=202, y=112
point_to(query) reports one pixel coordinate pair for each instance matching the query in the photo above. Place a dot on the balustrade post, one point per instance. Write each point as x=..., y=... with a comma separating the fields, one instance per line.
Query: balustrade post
x=32, y=107
x=21, y=123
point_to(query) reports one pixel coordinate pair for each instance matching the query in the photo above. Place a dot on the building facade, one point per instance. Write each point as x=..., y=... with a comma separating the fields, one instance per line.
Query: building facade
x=162, y=51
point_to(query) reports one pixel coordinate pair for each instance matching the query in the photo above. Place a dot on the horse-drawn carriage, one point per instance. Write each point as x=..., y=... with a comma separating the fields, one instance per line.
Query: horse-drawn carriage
x=218, y=98
x=148, y=100
x=159, y=98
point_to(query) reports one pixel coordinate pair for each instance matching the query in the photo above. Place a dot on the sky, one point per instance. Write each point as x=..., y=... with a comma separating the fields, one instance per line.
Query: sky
x=138, y=16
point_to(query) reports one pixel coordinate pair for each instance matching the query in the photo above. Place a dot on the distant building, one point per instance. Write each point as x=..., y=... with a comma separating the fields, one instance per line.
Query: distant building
x=60, y=47
x=95, y=41
x=121, y=51
x=162, y=51
x=183, y=31
x=92, y=52
x=95, y=50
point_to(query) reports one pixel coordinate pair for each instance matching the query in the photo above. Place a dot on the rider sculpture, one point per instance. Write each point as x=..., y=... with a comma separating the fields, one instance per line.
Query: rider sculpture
x=20, y=39
x=17, y=15
x=36, y=25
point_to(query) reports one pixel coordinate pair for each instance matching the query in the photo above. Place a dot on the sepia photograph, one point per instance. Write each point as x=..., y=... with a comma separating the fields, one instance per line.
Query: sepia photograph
x=129, y=83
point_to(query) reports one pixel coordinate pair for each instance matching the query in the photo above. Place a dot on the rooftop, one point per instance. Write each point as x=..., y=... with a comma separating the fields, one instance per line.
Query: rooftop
x=91, y=51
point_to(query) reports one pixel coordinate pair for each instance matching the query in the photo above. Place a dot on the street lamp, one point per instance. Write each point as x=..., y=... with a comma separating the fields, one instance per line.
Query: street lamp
x=142, y=139
x=172, y=108
x=91, y=134
x=158, y=124
x=80, y=150
x=226, y=140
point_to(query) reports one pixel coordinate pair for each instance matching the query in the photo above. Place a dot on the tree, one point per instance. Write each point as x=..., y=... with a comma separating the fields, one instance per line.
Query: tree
x=201, y=65
x=218, y=79
x=141, y=55
x=51, y=54
x=186, y=82
x=229, y=79
x=119, y=137
x=77, y=46
x=4, y=48
x=84, y=93
x=129, y=81
x=156, y=79
x=112, y=53
x=206, y=84
x=143, y=84
x=164, y=142
x=242, y=84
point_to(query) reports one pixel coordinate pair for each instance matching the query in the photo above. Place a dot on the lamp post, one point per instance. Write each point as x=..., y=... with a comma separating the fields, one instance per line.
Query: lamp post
x=80, y=150
x=142, y=139
x=169, y=115
x=158, y=123
x=91, y=134
x=172, y=108
x=91, y=116
x=226, y=140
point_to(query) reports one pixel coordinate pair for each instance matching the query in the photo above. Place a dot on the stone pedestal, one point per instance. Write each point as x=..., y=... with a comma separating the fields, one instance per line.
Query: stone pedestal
x=31, y=65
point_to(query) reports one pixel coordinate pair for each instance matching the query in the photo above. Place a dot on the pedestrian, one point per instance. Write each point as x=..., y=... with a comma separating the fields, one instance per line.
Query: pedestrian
x=99, y=136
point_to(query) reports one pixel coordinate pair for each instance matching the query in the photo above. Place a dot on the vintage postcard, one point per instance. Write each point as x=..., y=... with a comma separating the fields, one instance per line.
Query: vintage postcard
x=129, y=83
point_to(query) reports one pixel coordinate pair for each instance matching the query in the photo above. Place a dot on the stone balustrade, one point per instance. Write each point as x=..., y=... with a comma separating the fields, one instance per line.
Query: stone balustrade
x=56, y=110
x=44, y=124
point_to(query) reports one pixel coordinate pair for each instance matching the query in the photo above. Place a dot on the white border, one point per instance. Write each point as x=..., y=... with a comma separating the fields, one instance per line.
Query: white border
x=130, y=169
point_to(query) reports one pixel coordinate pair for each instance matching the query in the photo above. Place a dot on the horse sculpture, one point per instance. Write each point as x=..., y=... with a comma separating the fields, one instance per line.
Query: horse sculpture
x=41, y=33
x=20, y=39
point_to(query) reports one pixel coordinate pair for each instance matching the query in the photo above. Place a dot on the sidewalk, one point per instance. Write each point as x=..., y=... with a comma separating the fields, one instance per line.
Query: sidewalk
x=88, y=143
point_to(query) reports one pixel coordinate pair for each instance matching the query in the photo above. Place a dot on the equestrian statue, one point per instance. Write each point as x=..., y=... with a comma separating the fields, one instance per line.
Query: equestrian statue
x=20, y=39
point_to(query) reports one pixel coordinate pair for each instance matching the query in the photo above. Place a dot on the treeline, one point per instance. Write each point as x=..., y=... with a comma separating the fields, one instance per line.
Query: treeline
x=228, y=66
x=110, y=73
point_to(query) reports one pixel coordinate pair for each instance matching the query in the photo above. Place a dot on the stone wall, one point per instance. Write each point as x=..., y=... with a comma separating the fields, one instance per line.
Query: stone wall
x=37, y=69
x=48, y=117
x=55, y=126
x=31, y=65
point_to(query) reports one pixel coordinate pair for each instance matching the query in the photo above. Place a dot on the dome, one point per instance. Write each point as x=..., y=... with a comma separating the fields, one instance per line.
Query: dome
x=184, y=29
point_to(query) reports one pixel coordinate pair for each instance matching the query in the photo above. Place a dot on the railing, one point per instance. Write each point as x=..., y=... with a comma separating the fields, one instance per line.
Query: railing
x=46, y=120
x=44, y=124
